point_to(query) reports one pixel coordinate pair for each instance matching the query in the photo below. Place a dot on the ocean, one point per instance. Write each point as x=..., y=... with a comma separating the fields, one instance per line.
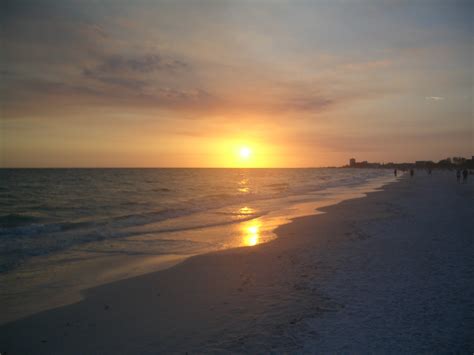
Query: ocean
x=56, y=222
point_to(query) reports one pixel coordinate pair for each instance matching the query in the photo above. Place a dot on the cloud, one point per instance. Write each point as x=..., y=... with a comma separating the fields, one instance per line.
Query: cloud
x=130, y=72
x=143, y=64
x=127, y=83
x=314, y=103
x=129, y=93
x=434, y=98
x=368, y=65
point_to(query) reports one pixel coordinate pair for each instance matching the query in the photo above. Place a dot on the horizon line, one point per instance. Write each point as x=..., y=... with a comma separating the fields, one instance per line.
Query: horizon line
x=166, y=167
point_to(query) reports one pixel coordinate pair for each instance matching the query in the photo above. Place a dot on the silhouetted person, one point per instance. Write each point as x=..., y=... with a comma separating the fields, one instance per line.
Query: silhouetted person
x=412, y=172
x=458, y=175
x=464, y=175
x=395, y=172
x=429, y=171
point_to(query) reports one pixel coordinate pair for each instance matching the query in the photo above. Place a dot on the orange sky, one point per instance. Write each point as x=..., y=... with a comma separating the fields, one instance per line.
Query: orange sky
x=187, y=84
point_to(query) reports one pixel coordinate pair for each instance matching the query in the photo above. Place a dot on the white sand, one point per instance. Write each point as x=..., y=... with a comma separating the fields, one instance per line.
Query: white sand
x=392, y=272
x=406, y=284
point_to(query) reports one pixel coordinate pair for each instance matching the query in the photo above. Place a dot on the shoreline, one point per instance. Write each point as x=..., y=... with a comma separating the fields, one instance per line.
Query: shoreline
x=266, y=298
x=60, y=279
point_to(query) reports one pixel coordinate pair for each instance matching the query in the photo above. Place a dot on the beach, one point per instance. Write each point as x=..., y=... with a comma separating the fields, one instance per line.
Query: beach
x=391, y=272
x=63, y=231
x=243, y=177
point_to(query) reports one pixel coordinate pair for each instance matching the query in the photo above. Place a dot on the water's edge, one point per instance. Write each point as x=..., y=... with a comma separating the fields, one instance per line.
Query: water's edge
x=21, y=299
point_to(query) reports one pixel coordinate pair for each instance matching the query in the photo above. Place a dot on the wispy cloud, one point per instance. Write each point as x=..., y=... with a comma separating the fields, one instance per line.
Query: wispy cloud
x=434, y=98
x=138, y=64
x=313, y=104
x=132, y=72
x=127, y=83
x=118, y=92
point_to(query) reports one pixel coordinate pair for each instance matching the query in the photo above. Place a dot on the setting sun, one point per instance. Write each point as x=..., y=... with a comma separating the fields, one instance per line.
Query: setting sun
x=245, y=152
x=242, y=153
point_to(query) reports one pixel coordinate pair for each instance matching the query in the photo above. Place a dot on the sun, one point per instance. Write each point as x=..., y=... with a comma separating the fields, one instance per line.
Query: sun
x=245, y=152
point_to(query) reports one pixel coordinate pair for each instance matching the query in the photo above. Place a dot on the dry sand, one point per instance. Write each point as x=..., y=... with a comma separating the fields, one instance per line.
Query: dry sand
x=392, y=272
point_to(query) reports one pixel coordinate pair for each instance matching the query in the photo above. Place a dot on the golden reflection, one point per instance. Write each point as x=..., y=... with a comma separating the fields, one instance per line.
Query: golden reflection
x=251, y=232
x=246, y=211
x=243, y=186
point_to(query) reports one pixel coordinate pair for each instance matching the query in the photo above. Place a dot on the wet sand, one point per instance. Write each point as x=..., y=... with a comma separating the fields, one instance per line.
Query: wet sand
x=391, y=272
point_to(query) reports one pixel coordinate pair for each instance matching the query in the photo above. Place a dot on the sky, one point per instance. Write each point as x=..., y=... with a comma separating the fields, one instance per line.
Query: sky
x=191, y=83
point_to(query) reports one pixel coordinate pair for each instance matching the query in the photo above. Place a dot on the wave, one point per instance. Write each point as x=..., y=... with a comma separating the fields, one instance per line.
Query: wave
x=15, y=251
x=23, y=225
x=152, y=247
x=18, y=225
x=279, y=187
x=162, y=189
x=14, y=220
x=112, y=215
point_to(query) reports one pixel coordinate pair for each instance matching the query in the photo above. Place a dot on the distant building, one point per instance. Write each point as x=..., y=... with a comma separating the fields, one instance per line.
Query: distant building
x=363, y=164
x=423, y=163
x=448, y=163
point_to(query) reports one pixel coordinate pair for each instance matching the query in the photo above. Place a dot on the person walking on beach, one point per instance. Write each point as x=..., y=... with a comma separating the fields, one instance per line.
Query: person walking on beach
x=412, y=172
x=464, y=176
x=458, y=175
x=395, y=172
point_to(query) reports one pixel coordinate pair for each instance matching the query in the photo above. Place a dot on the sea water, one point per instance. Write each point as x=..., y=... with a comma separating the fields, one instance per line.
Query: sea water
x=67, y=229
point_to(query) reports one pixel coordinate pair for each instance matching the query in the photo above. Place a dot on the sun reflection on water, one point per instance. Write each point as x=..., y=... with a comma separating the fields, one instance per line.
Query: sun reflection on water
x=245, y=211
x=243, y=186
x=251, y=233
